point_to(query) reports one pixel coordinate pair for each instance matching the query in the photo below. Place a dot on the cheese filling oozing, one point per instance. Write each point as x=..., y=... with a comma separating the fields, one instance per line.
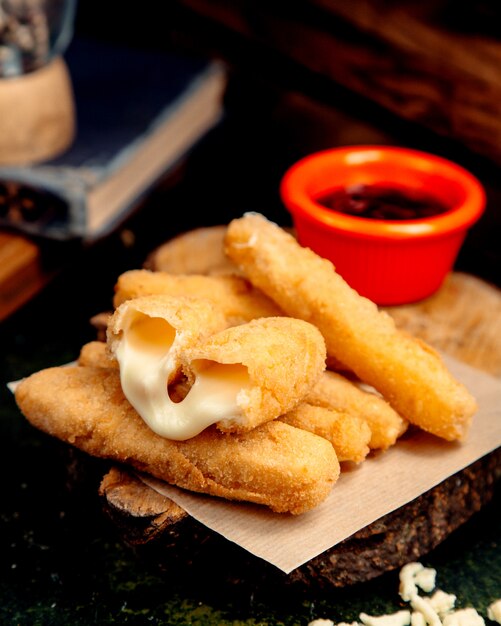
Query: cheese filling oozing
x=147, y=363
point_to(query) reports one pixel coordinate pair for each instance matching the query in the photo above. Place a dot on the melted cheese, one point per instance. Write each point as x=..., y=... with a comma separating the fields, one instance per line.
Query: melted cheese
x=146, y=356
x=217, y=390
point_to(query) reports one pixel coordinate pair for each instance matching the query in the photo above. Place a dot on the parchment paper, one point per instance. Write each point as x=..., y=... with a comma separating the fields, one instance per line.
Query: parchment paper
x=379, y=485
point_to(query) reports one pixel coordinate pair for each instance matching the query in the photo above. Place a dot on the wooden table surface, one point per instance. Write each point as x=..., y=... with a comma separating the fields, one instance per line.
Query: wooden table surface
x=22, y=274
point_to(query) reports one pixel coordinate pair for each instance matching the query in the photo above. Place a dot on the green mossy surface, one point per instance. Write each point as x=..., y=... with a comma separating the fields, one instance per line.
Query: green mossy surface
x=63, y=564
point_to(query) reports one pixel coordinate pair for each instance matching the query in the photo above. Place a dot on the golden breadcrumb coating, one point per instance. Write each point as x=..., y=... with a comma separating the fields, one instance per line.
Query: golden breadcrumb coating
x=409, y=374
x=192, y=317
x=348, y=434
x=281, y=358
x=96, y=354
x=284, y=358
x=285, y=468
x=334, y=391
x=238, y=299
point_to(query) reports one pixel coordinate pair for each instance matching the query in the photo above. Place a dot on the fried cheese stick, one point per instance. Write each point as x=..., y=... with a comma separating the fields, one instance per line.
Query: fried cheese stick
x=277, y=465
x=282, y=358
x=240, y=376
x=238, y=299
x=409, y=374
x=352, y=419
x=348, y=434
x=334, y=391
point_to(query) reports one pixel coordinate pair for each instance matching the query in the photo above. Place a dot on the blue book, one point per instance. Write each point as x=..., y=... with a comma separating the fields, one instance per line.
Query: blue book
x=138, y=114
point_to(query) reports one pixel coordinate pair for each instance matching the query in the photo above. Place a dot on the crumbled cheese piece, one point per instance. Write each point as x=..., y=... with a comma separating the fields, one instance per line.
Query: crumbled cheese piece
x=464, y=617
x=435, y=610
x=414, y=575
x=425, y=579
x=417, y=619
x=400, y=618
x=328, y=622
x=423, y=605
x=407, y=575
x=442, y=602
x=494, y=611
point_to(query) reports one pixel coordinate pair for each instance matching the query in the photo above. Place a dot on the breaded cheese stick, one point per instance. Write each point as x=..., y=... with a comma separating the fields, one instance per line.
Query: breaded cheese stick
x=349, y=435
x=285, y=468
x=240, y=376
x=334, y=391
x=409, y=374
x=256, y=371
x=238, y=299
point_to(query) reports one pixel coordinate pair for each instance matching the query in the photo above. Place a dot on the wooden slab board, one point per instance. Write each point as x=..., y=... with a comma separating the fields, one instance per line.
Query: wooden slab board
x=462, y=319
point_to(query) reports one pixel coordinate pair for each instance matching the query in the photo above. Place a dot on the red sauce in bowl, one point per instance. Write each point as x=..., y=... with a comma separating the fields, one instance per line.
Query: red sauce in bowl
x=381, y=202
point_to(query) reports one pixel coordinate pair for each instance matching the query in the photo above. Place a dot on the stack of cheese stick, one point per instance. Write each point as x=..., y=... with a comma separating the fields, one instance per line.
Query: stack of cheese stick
x=219, y=383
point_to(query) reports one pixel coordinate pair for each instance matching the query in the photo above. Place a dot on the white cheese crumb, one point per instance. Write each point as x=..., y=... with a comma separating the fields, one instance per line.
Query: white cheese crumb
x=435, y=610
x=464, y=617
x=414, y=575
x=494, y=611
x=400, y=618
x=442, y=602
x=425, y=579
x=407, y=585
x=417, y=619
x=423, y=605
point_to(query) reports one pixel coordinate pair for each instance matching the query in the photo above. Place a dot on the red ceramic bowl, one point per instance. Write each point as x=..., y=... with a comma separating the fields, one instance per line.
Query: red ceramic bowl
x=389, y=261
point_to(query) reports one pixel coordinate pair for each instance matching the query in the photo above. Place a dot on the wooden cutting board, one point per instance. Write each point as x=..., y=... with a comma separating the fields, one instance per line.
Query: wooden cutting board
x=462, y=319
x=22, y=272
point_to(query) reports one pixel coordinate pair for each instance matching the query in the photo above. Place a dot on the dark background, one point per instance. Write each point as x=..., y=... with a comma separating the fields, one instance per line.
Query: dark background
x=278, y=110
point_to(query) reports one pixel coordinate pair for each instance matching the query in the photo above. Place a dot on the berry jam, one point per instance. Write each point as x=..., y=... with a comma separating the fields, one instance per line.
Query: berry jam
x=381, y=202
